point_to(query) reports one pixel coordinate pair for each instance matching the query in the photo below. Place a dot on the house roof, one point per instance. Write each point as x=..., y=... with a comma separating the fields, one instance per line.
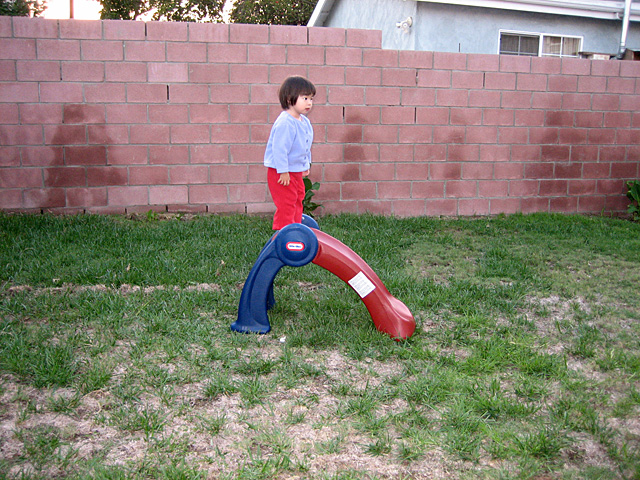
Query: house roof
x=604, y=9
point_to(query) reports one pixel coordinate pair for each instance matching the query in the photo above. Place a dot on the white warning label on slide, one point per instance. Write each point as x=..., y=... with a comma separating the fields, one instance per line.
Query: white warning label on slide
x=362, y=285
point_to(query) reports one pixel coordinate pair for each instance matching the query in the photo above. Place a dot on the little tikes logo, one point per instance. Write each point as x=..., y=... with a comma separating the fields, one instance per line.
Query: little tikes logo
x=295, y=246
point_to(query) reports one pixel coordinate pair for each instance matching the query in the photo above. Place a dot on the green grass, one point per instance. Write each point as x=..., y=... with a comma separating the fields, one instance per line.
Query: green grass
x=117, y=361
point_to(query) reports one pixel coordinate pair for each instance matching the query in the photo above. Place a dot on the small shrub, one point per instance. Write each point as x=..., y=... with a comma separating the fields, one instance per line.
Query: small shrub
x=634, y=195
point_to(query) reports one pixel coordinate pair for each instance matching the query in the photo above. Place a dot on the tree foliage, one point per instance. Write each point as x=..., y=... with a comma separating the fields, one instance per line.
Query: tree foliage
x=168, y=10
x=21, y=8
x=273, y=12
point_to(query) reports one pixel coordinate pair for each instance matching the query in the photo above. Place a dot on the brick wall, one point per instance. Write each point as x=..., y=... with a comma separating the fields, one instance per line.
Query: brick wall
x=118, y=116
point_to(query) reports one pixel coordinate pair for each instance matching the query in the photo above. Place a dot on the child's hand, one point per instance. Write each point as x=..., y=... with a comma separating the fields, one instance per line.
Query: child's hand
x=306, y=173
x=284, y=179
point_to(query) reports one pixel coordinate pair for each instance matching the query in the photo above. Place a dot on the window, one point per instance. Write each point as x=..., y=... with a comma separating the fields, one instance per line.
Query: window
x=539, y=44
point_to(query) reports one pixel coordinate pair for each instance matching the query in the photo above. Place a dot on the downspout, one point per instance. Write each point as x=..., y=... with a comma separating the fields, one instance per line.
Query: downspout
x=625, y=29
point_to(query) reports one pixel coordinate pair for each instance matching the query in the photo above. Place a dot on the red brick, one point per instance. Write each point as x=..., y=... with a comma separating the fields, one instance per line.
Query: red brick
x=418, y=96
x=126, y=113
x=94, y=50
x=563, y=204
x=592, y=84
x=83, y=113
x=10, y=156
x=103, y=134
x=42, y=156
x=127, y=154
x=466, y=116
x=164, y=155
x=8, y=71
x=449, y=61
x=538, y=170
x=343, y=56
x=128, y=196
x=477, y=171
x=572, y=136
x=208, y=32
x=65, y=134
x=21, y=177
x=358, y=191
x=621, y=85
x=495, y=153
x=167, y=31
x=288, y=34
x=467, y=80
x=500, y=81
x=520, y=64
x=239, y=33
x=611, y=187
x=394, y=190
x=629, y=69
x=83, y=71
x=415, y=59
x=226, y=134
x=581, y=153
x=437, y=206
x=484, y=98
x=533, y=82
x=363, y=75
x=596, y=170
x=605, y=67
x=168, y=114
x=575, y=66
x=464, y=153
x=86, y=197
x=547, y=65
x=105, y=93
x=227, y=53
x=81, y=29
x=513, y=135
x=382, y=58
x=229, y=93
x=537, y=204
x=568, y=170
x=408, y=208
x=445, y=171
x=34, y=27
x=305, y=55
x=247, y=193
x=434, y=78
x=396, y=153
x=341, y=172
x=591, y=204
x=428, y=189
x=344, y=133
x=58, y=49
x=18, y=49
x=167, y=72
x=327, y=36
x=380, y=134
x=582, y=187
x=504, y=205
x=151, y=134
x=362, y=153
x=30, y=70
x=125, y=72
x=547, y=100
x=229, y=174
x=43, y=198
x=497, y=116
x=61, y=93
x=85, y=155
x=606, y=102
x=478, y=134
x=523, y=188
x=516, y=100
x=553, y=187
x=432, y=116
x=38, y=113
x=602, y=136
x=163, y=195
x=508, y=171
x=146, y=93
x=191, y=94
x=452, y=98
x=124, y=30
x=563, y=83
x=148, y=175
x=483, y=63
x=213, y=154
x=474, y=206
x=193, y=134
x=324, y=114
x=64, y=177
x=612, y=153
x=543, y=135
x=452, y=134
x=559, y=119
x=364, y=38
x=270, y=54
x=398, y=115
x=577, y=101
x=378, y=172
x=209, y=73
x=415, y=134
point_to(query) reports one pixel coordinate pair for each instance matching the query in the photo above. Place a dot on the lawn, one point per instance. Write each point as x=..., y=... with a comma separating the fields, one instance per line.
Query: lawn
x=117, y=361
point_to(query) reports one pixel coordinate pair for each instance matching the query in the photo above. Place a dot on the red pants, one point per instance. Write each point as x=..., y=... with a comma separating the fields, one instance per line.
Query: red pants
x=288, y=199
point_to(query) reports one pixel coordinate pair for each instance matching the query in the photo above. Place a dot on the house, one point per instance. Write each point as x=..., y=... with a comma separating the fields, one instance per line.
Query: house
x=558, y=28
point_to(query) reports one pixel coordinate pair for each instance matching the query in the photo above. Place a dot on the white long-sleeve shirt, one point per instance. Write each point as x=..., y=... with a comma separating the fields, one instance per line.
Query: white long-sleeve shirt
x=289, y=145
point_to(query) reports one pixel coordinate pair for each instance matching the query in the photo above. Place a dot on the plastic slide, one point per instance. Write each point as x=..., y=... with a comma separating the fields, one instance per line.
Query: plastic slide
x=297, y=245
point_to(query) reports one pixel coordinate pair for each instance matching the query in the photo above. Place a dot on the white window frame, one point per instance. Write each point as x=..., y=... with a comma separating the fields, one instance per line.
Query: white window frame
x=541, y=37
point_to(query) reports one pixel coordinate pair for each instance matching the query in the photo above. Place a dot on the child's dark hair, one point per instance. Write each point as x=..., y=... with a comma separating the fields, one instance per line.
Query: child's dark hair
x=292, y=88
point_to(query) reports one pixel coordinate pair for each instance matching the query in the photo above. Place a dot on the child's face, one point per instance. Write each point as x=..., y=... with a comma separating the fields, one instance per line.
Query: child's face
x=302, y=105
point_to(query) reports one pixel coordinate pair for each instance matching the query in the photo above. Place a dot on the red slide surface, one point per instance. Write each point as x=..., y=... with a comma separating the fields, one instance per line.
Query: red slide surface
x=389, y=314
